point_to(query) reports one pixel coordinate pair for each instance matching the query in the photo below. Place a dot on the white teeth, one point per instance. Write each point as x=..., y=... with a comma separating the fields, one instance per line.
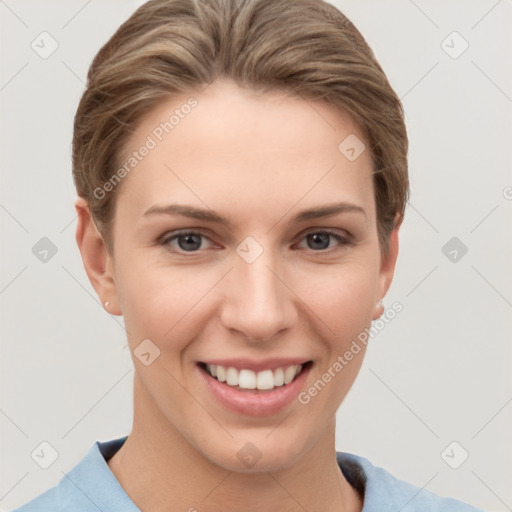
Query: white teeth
x=248, y=379
x=289, y=374
x=265, y=379
x=221, y=373
x=232, y=376
x=279, y=377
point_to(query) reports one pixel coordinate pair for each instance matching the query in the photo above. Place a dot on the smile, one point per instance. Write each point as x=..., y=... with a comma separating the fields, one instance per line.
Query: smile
x=249, y=379
x=261, y=390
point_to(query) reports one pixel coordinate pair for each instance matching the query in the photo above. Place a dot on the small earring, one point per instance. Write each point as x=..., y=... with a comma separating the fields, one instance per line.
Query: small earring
x=381, y=308
x=107, y=304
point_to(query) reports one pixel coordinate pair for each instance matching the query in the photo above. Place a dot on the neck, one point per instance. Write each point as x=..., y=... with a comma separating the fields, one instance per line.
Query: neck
x=157, y=466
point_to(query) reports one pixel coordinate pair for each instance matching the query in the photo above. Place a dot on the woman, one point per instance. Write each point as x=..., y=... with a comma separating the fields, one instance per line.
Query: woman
x=241, y=169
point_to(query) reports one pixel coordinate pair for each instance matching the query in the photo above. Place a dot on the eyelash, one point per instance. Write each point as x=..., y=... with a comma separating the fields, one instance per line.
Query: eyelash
x=343, y=241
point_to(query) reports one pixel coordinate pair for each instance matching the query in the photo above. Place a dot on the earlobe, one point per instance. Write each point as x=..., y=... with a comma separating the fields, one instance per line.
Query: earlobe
x=387, y=268
x=96, y=259
x=379, y=310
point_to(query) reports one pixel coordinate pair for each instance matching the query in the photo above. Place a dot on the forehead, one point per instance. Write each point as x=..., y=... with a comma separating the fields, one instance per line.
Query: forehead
x=252, y=147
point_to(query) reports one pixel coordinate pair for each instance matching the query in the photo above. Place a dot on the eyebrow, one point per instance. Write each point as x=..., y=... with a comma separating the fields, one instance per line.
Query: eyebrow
x=211, y=216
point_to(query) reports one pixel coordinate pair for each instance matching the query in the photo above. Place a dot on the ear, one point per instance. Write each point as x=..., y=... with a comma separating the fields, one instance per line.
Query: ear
x=387, y=268
x=98, y=263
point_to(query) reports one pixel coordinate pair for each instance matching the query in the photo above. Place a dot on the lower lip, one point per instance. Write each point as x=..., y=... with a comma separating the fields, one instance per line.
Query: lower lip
x=259, y=403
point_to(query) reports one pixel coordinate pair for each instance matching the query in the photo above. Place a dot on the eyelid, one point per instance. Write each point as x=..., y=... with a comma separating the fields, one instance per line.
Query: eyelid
x=333, y=231
x=344, y=240
x=200, y=231
x=343, y=237
x=171, y=235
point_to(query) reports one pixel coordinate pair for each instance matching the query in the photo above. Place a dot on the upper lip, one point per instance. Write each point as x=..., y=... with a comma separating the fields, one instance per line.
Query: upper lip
x=258, y=365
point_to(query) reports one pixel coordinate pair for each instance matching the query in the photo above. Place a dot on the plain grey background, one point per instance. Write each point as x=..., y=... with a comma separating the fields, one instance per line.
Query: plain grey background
x=436, y=384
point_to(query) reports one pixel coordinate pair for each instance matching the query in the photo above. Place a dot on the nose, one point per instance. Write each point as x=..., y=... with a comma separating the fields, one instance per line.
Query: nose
x=259, y=303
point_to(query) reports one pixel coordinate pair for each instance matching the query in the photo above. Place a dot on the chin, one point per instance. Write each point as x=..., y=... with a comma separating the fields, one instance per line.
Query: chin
x=259, y=453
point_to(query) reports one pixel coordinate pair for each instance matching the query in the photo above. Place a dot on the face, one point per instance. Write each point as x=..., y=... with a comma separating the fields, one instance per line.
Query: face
x=225, y=263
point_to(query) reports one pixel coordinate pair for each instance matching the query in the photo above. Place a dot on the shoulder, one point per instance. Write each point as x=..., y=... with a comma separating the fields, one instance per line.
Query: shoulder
x=385, y=493
x=41, y=503
x=57, y=499
x=88, y=487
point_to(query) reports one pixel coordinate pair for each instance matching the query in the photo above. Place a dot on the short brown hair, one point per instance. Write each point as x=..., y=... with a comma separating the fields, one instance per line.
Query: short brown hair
x=171, y=47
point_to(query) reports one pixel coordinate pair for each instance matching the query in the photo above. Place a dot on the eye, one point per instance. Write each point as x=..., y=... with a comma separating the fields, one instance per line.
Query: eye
x=192, y=241
x=186, y=241
x=319, y=241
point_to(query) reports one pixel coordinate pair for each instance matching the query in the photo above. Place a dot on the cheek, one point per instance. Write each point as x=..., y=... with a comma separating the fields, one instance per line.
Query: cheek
x=342, y=298
x=163, y=303
x=172, y=304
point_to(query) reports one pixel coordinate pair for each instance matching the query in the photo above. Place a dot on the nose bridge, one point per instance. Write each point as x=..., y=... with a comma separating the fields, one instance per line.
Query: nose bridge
x=258, y=304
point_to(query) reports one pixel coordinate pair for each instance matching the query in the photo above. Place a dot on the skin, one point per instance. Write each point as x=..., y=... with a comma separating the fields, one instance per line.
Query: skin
x=258, y=159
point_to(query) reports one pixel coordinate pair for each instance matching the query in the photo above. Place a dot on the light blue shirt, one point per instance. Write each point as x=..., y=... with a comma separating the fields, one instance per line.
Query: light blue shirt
x=90, y=486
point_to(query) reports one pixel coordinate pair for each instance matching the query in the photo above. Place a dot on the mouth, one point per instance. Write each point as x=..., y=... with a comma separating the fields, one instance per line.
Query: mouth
x=251, y=381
